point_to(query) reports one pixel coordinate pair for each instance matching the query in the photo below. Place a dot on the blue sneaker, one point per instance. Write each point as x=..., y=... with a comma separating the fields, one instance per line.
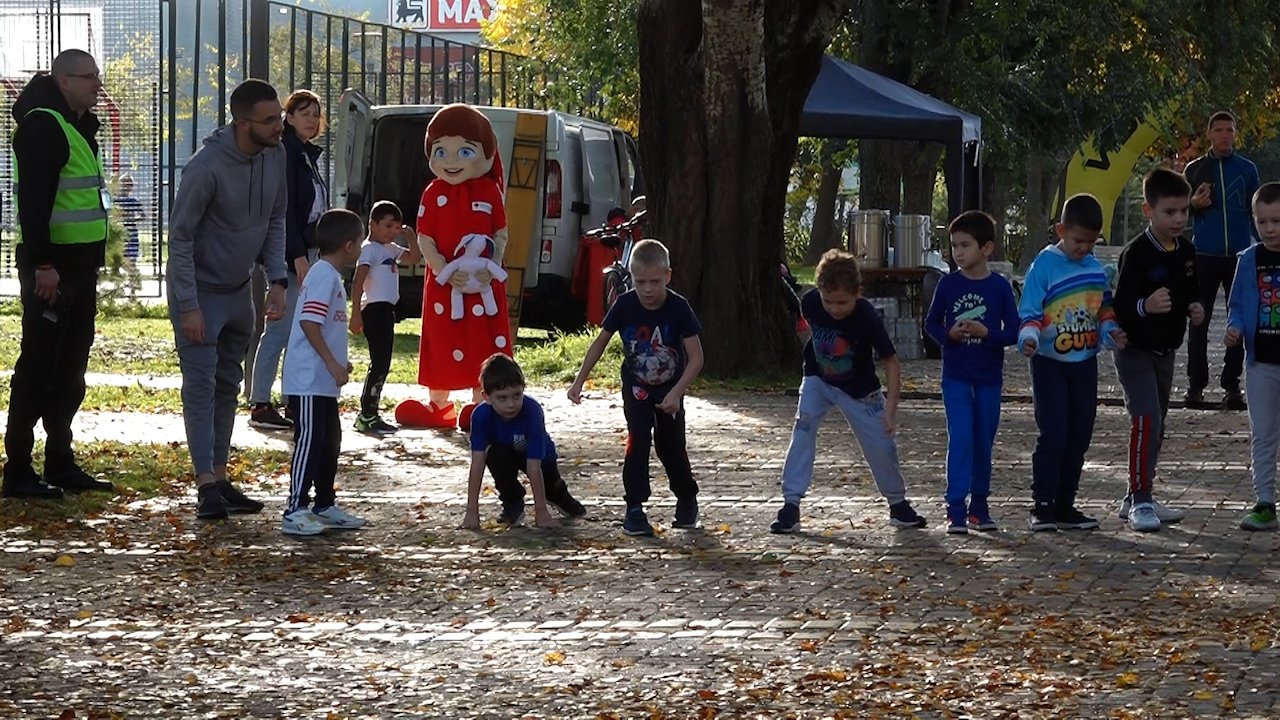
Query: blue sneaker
x=957, y=522
x=636, y=522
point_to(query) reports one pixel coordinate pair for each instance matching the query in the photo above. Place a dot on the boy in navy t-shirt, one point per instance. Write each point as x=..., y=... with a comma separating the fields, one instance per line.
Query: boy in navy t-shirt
x=840, y=371
x=973, y=317
x=509, y=434
x=663, y=355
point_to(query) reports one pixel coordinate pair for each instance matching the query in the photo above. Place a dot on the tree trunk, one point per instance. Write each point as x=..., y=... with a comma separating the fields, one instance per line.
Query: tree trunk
x=879, y=176
x=722, y=85
x=920, y=178
x=825, y=232
x=1043, y=173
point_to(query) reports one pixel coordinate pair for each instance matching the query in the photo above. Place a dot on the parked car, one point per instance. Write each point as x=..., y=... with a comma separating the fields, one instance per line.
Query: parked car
x=588, y=168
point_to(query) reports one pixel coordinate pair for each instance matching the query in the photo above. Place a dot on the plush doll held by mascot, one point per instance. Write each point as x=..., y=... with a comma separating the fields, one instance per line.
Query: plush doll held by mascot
x=464, y=200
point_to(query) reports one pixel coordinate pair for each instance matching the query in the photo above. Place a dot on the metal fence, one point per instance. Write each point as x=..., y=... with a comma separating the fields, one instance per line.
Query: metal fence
x=169, y=67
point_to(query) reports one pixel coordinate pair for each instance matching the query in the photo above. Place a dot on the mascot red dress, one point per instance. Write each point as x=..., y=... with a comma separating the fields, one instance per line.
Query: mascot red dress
x=460, y=208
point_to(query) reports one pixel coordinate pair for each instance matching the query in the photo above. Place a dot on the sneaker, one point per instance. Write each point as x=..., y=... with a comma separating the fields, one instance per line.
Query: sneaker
x=28, y=485
x=302, y=522
x=1233, y=399
x=686, y=514
x=1073, y=519
x=636, y=522
x=236, y=501
x=788, y=520
x=902, y=515
x=981, y=521
x=265, y=417
x=1143, y=518
x=957, y=524
x=1167, y=515
x=569, y=506
x=1263, y=517
x=1042, y=520
x=76, y=480
x=210, y=504
x=339, y=519
x=1194, y=397
x=374, y=425
x=511, y=515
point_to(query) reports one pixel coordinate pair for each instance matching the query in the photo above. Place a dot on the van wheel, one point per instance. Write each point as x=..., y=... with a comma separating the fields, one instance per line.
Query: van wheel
x=613, y=287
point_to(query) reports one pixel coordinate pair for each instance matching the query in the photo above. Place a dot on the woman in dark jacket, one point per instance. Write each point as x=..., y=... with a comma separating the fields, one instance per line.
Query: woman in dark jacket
x=308, y=199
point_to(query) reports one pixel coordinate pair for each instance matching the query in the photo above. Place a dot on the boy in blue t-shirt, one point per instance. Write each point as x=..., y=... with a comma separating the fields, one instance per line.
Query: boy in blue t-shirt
x=973, y=318
x=663, y=355
x=509, y=434
x=840, y=371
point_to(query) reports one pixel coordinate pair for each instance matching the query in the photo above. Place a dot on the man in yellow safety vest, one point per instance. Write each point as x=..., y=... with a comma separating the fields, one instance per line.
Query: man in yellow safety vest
x=62, y=208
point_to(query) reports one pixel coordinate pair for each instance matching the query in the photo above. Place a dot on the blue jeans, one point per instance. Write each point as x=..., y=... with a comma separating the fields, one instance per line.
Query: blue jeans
x=973, y=414
x=275, y=338
x=1066, y=403
x=866, y=418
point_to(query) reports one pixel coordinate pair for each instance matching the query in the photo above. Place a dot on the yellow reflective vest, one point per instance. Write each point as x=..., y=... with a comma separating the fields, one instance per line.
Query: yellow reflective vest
x=80, y=205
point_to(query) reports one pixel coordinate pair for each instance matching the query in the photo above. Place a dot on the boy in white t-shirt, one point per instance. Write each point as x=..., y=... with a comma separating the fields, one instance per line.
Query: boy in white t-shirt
x=375, y=290
x=315, y=369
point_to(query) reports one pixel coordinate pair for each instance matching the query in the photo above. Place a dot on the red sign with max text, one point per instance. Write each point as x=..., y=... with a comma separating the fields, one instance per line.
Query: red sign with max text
x=441, y=15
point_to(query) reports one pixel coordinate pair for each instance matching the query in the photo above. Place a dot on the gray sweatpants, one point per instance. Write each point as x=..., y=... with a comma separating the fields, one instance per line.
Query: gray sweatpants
x=1262, y=388
x=1147, y=379
x=212, y=372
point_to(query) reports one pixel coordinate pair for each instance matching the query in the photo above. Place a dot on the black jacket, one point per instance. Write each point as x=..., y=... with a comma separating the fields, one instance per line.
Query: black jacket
x=1144, y=268
x=41, y=150
x=301, y=158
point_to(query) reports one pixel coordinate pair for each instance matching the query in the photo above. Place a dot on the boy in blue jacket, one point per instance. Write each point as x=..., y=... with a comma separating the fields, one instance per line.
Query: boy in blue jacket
x=973, y=318
x=1067, y=317
x=1253, y=319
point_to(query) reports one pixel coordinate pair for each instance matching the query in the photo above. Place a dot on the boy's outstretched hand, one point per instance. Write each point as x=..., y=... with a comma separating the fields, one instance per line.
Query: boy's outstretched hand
x=1028, y=347
x=1233, y=337
x=1196, y=311
x=575, y=393
x=890, y=421
x=544, y=519
x=1119, y=338
x=470, y=521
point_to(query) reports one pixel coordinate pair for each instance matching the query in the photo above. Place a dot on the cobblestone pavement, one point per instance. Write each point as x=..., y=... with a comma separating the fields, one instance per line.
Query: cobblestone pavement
x=146, y=613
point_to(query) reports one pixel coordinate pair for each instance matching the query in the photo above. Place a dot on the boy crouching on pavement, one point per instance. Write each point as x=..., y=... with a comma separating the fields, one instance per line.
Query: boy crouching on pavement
x=509, y=434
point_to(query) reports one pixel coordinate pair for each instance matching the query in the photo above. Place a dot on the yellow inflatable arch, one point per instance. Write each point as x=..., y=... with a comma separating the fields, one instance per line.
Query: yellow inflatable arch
x=1104, y=174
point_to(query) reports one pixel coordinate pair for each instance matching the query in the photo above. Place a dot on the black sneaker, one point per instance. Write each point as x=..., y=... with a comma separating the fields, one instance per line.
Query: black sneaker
x=1073, y=519
x=29, y=485
x=1194, y=397
x=511, y=515
x=236, y=501
x=1043, y=519
x=636, y=522
x=210, y=505
x=570, y=506
x=904, y=516
x=265, y=417
x=788, y=520
x=1234, y=400
x=76, y=480
x=686, y=514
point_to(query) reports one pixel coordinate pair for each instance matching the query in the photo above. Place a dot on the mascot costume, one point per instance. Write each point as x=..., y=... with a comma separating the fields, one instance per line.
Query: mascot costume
x=462, y=230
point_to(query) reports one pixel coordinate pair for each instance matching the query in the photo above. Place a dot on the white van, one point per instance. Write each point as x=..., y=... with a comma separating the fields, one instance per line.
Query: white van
x=589, y=167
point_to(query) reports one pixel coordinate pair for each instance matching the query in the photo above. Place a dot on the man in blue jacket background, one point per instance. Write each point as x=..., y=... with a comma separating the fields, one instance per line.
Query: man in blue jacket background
x=1222, y=214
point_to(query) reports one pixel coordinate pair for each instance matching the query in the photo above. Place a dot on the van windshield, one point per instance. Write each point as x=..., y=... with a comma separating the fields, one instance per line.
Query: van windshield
x=399, y=166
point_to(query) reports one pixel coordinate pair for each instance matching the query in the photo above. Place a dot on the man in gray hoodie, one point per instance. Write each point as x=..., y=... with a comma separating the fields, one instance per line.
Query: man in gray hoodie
x=228, y=210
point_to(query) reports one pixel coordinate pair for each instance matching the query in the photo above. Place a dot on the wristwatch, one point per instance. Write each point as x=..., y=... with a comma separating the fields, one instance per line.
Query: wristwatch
x=282, y=282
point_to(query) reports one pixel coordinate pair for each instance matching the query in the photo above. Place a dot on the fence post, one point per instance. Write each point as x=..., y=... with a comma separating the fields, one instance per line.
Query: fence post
x=259, y=38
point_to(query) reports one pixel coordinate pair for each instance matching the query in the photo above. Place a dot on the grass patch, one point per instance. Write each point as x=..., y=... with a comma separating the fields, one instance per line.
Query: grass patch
x=555, y=361
x=138, y=471
x=118, y=398
x=804, y=274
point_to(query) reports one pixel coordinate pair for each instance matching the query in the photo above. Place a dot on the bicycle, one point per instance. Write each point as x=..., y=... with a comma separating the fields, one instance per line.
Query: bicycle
x=620, y=237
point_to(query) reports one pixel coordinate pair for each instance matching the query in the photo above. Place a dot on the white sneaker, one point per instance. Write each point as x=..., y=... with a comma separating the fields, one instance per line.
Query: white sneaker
x=302, y=522
x=339, y=519
x=1164, y=512
x=1144, y=518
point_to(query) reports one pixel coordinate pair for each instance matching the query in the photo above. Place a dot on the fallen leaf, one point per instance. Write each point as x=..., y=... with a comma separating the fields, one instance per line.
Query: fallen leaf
x=190, y=678
x=809, y=646
x=1203, y=695
x=1128, y=679
x=707, y=694
x=555, y=657
x=724, y=529
x=84, y=614
x=65, y=561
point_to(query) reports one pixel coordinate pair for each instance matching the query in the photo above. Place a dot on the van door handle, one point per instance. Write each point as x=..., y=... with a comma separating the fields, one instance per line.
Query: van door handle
x=580, y=207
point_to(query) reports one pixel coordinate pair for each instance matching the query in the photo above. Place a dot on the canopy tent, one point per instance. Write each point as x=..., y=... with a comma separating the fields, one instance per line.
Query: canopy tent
x=852, y=102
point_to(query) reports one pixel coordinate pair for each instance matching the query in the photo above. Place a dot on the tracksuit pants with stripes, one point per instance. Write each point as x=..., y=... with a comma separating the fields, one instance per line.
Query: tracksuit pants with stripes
x=1147, y=379
x=317, y=440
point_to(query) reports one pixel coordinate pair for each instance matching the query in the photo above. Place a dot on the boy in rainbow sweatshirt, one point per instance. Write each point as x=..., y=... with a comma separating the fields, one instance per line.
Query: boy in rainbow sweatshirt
x=1067, y=316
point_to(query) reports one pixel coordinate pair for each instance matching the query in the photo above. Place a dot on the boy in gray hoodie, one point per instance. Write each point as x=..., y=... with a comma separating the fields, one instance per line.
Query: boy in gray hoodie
x=228, y=210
